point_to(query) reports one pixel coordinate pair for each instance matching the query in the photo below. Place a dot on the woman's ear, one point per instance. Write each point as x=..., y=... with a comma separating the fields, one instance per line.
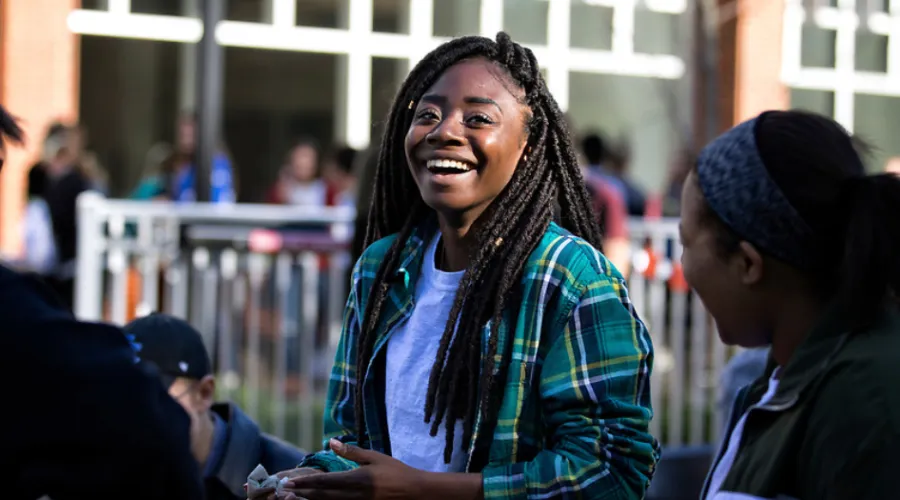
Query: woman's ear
x=750, y=264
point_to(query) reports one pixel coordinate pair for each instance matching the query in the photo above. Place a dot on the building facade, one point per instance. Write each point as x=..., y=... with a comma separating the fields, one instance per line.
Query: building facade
x=634, y=69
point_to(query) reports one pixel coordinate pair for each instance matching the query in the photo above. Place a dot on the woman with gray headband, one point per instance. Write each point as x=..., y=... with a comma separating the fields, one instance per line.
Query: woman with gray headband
x=790, y=243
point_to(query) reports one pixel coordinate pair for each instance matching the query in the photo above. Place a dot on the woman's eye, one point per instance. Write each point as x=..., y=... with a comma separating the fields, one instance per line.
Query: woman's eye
x=480, y=120
x=427, y=114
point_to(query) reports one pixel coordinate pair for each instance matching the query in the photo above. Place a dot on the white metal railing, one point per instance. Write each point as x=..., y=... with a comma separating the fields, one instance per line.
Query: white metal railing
x=268, y=297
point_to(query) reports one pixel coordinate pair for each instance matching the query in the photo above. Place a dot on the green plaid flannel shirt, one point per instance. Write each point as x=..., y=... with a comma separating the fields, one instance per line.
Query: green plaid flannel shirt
x=575, y=414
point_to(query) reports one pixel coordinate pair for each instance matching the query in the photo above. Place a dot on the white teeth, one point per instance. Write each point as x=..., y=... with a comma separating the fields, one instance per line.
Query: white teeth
x=451, y=164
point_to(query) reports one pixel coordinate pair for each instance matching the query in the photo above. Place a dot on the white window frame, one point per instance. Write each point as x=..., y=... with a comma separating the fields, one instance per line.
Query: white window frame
x=359, y=43
x=844, y=80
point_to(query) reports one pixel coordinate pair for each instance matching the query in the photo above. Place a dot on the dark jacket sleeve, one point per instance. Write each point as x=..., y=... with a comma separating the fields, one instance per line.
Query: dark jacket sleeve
x=84, y=421
x=278, y=455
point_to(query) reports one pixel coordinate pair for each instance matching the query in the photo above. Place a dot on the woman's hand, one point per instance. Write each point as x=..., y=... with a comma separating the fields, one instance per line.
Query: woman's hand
x=378, y=477
x=269, y=493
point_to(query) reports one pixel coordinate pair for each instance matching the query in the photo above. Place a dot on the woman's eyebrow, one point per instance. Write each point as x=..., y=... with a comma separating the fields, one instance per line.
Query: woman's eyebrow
x=439, y=100
x=483, y=100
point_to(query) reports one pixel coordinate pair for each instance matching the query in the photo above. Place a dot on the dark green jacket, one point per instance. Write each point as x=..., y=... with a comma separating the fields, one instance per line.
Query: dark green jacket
x=832, y=430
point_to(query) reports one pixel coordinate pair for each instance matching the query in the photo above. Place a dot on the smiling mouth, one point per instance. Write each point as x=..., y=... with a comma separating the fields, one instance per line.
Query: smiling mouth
x=448, y=167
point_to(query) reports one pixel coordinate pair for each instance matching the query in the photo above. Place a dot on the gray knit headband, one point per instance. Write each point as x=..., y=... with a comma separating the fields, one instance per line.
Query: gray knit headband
x=740, y=191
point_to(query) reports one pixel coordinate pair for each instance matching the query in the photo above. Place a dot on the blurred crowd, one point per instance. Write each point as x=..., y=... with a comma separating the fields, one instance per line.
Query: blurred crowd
x=310, y=175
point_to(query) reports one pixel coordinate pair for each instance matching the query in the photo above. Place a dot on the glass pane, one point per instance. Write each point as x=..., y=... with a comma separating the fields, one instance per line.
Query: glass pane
x=818, y=101
x=879, y=5
x=250, y=11
x=161, y=7
x=877, y=119
x=643, y=113
x=458, y=18
x=817, y=47
x=128, y=98
x=322, y=13
x=871, y=52
x=387, y=75
x=659, y=33
x=272, y=98
x=591, y=26
x=93, y=4
x=390, y=16
x=526, y=20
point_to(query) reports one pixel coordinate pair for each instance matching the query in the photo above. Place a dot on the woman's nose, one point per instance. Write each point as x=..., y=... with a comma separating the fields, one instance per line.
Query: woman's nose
x=448, y=131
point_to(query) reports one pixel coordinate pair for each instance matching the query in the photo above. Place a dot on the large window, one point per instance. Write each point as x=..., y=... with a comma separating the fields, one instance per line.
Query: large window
x=842, y=59
x=129, y=102
x=330, y=67
x=271, y=99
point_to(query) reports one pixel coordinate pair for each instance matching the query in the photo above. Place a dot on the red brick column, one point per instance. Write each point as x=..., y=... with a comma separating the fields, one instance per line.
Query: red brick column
x=39, y=76
x=757, y=76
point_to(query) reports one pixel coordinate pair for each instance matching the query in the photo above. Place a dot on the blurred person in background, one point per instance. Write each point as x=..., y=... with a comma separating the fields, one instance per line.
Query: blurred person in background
x=609, y=205
x=678, y=172
x=62, y=153
x=300, y=179
x=227, y=444
x=37, y=227
x=340, y=177
x=88, y=422
x=892, y=166
x=790, y=244
x=180, y=173
x=365, y=172
x=153, y=184
x=93, y=171
x=87, y=163
x=599, y=156
x=617, y=165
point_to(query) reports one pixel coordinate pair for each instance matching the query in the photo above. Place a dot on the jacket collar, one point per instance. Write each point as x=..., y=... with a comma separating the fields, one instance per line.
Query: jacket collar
x=242, y=448
x=816, y=354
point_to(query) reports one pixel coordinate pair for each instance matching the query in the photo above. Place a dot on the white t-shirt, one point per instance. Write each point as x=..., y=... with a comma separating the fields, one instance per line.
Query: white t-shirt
x=308, y=194
x=734, y=440
x=411, y=352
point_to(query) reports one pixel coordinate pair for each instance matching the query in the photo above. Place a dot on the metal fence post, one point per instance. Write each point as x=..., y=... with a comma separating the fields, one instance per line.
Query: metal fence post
x=89, y=264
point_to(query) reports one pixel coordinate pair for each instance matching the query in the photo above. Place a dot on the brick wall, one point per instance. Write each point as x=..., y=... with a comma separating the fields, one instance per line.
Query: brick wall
x=39, y=76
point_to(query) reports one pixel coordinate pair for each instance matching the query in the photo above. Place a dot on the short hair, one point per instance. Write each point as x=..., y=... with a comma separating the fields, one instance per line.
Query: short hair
x=344, y=158
x=37, y=180
x=594, y=148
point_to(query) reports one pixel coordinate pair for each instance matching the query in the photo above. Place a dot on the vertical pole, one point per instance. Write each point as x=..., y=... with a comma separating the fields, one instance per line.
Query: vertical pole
x=210, y=77
x=711, y=68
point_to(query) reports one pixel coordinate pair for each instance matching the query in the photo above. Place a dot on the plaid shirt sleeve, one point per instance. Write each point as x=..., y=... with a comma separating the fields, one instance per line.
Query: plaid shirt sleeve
x=340, y=409
x=594, y=391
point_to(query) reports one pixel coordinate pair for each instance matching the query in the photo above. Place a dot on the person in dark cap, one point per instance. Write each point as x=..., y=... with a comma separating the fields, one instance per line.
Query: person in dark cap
x=83, y=419
x=226, y=442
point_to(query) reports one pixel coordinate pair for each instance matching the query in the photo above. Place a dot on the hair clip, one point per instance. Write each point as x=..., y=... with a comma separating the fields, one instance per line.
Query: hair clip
x=498, y=242
x=411, y=104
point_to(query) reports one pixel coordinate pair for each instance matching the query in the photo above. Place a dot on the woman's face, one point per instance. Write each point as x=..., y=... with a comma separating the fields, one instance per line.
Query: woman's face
x=466, y=138
x=727, y=284
x=304, y=160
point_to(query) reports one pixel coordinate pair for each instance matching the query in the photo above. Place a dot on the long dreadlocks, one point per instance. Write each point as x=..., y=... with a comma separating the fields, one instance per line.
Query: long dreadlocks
x=510, y=230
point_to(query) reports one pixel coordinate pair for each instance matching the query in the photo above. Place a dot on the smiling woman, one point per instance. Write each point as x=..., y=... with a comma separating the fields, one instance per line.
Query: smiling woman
x=487, y=352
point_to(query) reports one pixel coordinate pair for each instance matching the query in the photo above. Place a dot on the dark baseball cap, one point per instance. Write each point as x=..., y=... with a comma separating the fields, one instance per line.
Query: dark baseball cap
x=172, y=345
